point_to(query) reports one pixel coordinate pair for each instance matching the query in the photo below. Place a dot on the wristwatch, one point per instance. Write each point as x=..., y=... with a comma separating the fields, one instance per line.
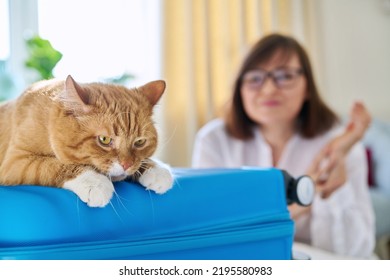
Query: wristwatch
x=300, y=190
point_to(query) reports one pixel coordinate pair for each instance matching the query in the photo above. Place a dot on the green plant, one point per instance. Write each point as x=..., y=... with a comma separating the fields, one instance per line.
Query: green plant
x=121, y=80
x=42, y=57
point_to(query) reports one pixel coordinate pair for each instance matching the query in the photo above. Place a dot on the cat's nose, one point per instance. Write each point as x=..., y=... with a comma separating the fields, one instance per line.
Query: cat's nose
x=126, y=164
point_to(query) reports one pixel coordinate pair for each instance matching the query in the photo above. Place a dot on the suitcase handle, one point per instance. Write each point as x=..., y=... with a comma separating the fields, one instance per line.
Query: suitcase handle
x=300, y=190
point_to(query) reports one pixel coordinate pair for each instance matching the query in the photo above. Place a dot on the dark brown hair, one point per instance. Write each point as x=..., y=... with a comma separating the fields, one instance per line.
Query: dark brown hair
x=315, y=116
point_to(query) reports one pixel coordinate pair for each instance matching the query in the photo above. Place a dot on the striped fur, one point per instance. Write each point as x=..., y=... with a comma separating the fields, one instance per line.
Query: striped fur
x=49, y=135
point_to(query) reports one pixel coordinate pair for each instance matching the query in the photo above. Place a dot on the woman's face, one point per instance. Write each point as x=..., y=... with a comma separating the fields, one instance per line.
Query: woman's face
x=274, y=92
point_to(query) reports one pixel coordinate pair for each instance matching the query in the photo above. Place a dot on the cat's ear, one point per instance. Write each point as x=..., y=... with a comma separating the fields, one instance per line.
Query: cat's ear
x=153, y=91
x=75, y=96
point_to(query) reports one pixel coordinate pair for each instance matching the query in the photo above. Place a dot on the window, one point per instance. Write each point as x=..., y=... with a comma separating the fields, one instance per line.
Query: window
x=99, y=39
x=4, y=30
x=103, y=39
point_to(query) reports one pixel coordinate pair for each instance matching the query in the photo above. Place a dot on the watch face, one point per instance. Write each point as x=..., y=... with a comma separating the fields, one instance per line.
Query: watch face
x=305, y=190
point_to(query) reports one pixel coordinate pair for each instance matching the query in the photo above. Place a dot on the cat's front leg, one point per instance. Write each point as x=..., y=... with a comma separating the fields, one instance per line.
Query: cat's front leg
x=93, y=188
x=25, y=168
x=157, y=177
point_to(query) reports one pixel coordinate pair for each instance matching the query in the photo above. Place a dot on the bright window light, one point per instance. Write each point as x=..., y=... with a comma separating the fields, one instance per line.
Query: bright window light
x=4, y=30
x=102, y=39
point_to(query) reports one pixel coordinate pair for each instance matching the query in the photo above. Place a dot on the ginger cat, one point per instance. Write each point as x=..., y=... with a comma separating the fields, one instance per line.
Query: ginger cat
x=82, y=137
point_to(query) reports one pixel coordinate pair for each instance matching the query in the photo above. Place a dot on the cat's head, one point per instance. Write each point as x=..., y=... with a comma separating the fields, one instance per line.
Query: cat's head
x=109, y=127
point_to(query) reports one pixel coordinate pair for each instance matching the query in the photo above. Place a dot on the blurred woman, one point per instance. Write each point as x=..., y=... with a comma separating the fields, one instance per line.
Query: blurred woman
x=277, y=118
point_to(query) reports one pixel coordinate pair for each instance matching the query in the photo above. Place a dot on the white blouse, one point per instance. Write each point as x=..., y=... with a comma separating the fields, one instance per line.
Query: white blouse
x=342, y=223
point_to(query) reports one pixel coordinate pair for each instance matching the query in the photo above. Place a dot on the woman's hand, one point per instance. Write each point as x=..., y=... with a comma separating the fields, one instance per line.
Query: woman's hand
x=328, y=170
x=359, y=122
x=298, y=210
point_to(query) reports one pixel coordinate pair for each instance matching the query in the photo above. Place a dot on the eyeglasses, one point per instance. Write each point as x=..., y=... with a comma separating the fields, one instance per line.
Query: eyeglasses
x=284, y=78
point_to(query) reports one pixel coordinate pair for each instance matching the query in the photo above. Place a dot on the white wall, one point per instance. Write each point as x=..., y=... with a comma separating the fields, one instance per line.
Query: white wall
x=353, y=48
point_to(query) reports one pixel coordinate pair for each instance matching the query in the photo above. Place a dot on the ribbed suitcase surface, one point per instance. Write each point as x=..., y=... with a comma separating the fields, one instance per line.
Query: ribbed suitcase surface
x=209, y=214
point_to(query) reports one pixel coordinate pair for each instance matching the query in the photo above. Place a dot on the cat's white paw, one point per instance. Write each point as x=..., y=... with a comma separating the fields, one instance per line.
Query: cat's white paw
x=93, y=188
x=157, y=178
x=118, y=178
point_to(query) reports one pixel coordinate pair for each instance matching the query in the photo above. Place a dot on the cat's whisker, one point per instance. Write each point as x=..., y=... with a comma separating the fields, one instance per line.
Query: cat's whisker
x=147, y=124
x=115, y=194
x=116, y=212
x=137, y=174
x=176, y=182
x=165, y=142
x=152, y=206
x=78, y=211
x=119, y=199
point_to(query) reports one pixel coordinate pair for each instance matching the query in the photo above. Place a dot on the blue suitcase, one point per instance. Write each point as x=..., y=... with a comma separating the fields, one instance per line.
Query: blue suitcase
x=209, y=214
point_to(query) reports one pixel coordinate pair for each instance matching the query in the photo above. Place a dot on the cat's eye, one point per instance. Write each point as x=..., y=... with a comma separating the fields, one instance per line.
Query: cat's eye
x=139, y=143
x=105, y=140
